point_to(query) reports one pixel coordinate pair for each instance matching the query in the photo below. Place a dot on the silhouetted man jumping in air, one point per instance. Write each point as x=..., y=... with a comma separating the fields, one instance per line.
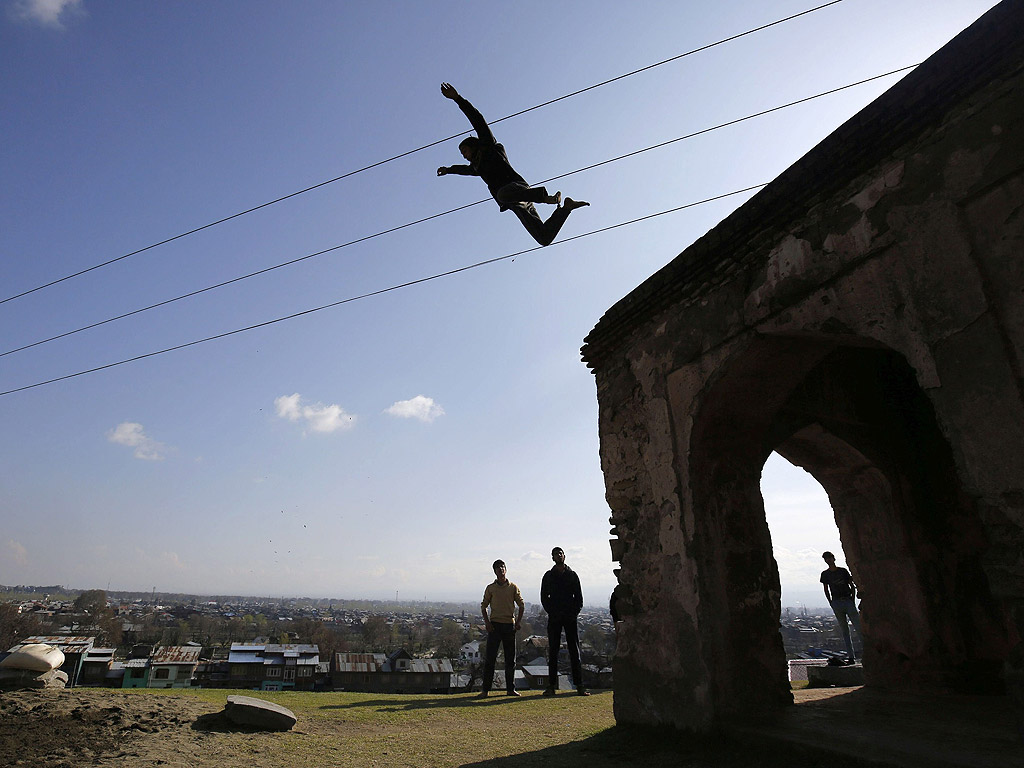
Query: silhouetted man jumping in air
x=487, y=159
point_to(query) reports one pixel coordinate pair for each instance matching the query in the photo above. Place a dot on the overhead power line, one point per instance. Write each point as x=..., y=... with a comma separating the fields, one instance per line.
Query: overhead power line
x=379, y=163
x=379, y=292
x=290, y=262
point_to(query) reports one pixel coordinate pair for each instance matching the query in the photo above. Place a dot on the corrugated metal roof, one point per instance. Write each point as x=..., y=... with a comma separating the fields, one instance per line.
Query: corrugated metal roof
x=66, y=643
x=176, y=654
x=430, y=665
x=244, y=658
x=136, y=664
x=99, y=654
x=360, y=662
x=289, y=647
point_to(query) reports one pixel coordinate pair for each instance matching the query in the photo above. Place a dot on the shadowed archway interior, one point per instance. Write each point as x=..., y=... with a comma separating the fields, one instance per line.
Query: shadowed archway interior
x=855, y=418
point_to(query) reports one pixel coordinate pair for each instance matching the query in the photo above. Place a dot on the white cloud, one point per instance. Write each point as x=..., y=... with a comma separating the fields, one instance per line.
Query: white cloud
x=319, y=417
x=419, y=407
x=16, y=553
x=171, y=560
x=48, y=13
x=533, y=555
x=130, y=433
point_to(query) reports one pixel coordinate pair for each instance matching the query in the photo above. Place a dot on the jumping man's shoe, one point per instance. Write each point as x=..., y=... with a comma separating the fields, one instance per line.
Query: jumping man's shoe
x=572, y=205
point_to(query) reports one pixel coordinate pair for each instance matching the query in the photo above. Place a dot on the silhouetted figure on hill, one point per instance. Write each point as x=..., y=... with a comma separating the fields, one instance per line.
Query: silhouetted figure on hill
x=841, y=593
x=487, y=159
x=562, y=598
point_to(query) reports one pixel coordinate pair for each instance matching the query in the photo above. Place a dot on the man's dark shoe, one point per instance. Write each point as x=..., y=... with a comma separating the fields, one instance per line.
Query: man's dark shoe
x=550, y=691
x=482, y=695
x=582, y=692
x=513, y=693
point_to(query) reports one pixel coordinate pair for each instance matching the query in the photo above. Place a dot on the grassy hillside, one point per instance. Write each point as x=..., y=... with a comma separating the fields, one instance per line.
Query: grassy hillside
x=143, y=728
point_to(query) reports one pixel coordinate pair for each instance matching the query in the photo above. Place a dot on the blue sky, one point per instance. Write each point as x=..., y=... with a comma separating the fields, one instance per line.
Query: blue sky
x=402, y=442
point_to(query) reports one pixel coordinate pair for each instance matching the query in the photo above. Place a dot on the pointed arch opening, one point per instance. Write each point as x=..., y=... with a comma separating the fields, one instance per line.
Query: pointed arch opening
x=856, y=419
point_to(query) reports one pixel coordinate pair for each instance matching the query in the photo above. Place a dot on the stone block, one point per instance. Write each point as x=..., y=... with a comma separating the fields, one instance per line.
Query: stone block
x=13, y=679
x=257, y=713
x=841, y=677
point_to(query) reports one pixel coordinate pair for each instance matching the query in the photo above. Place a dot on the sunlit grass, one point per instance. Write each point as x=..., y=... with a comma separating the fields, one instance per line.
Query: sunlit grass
x=427, y=731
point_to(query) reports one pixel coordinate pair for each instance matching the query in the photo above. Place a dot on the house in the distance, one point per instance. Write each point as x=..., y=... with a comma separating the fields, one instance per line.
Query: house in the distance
x=273, y=666
x=170, y=666
x=397, y=673
x=173, y=666
x=470, y=653
x=96, y=665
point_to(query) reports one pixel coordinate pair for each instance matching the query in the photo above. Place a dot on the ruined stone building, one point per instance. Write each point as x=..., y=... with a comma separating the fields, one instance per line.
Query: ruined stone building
x=863, y=316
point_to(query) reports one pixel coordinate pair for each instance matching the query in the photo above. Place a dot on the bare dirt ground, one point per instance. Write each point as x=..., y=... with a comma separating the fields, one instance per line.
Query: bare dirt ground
x=57, y=729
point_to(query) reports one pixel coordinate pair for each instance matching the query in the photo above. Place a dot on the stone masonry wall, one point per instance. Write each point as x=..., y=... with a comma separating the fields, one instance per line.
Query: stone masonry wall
x=919, y=260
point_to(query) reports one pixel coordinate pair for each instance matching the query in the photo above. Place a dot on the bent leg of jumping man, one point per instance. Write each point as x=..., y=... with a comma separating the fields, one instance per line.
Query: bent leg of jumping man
x=545, y=232
x=520, y=193
x=532, y=221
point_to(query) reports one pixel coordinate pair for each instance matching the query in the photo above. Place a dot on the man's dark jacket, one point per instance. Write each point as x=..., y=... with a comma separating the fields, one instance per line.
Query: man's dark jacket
x=560, y=593
x=490, y=163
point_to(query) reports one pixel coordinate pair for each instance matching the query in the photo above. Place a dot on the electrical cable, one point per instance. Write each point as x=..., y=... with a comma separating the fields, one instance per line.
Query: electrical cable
x=379, y=163
x=290, y=262
x=379, y=292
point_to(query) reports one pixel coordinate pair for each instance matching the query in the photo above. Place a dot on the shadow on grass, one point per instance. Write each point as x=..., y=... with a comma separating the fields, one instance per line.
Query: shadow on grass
x=655, y=747
x=451, y=701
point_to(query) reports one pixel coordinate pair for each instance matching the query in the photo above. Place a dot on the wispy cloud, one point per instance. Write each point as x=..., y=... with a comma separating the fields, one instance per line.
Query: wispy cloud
x=16, y=553
x=420, y=407
x=319, y=417
x=533, y=555
x=131, y=434
x=47, y=13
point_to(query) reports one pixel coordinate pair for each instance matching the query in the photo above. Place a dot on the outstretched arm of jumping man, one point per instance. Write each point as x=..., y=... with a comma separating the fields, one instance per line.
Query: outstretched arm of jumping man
x=458, y=170
x=471, y=112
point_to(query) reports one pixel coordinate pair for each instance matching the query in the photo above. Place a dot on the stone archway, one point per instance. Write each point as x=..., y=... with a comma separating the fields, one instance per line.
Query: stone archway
x=855, y=418
x=862, y=314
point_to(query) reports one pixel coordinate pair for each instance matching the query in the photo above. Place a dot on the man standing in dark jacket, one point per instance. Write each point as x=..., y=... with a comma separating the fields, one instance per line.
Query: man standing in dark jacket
x=562, y=598
x=487, y=159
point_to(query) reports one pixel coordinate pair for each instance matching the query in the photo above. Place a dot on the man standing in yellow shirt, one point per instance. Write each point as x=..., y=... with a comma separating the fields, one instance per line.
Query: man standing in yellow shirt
x=502, y=596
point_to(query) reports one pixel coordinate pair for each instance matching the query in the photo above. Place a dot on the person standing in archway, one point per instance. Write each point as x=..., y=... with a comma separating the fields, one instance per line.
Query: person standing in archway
x=562, y=598
x=487, y=159
x=841, y=593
